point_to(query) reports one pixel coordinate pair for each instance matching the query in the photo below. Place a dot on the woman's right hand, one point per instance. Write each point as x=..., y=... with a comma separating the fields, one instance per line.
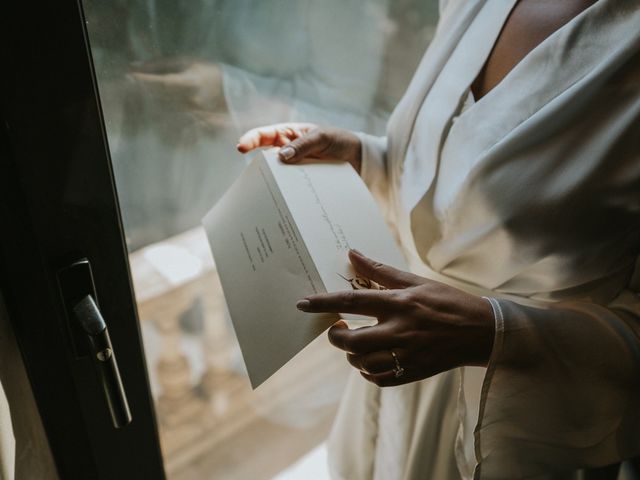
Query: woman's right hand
x=300, y=141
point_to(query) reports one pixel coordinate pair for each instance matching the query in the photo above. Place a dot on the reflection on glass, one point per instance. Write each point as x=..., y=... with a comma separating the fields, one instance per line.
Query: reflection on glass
x=179, y=81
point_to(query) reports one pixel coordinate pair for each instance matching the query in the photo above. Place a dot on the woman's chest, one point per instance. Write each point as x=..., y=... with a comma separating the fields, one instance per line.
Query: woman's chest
x=552, y=143
x=527, y=26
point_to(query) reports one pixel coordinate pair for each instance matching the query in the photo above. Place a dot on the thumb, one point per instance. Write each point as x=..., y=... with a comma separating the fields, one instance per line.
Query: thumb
x=385, y=275
x=314, y=143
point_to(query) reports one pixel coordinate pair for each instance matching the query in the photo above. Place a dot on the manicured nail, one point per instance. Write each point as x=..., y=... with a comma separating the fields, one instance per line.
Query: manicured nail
x=287, y=153
x=303, y=305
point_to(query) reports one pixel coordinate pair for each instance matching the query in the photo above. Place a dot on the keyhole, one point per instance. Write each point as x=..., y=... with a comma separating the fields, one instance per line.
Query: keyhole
x=104, y=355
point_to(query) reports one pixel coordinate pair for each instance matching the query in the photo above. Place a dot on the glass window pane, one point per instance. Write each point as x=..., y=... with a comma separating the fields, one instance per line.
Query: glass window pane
x=179, y=81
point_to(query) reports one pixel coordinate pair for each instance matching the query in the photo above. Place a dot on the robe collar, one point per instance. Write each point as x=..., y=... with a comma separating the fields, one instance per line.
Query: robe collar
x=461, y=46
x=604, y=33
x=537, y=98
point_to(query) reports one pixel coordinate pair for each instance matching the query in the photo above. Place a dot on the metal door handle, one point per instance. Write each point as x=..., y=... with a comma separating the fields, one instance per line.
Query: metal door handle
x=103, y=356
x=89, y=335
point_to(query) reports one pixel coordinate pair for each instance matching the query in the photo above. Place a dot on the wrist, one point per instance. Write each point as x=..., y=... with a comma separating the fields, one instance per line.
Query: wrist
x=357, y=159
x=485, y=333
x=355, y=147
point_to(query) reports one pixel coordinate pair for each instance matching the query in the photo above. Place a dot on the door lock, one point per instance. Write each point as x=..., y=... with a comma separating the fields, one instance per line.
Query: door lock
x=90, y=336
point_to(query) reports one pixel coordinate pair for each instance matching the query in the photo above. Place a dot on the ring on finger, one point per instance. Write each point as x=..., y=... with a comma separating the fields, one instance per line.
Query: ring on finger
x=398, y=371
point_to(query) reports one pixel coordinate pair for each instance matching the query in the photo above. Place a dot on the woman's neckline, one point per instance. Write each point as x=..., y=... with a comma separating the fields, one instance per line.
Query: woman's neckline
x=521, y=54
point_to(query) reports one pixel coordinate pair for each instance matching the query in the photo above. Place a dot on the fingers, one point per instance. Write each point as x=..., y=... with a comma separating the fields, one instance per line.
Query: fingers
x=362, y=340
x=301, y=141
x=388, y=379
x=383, y=274
x=312, y=144
x=261, y=137
x=373, y=303
x=379, y=361
x=276, y=135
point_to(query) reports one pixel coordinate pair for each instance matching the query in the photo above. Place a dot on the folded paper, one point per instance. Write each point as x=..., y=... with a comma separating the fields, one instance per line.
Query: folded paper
x=282, y=232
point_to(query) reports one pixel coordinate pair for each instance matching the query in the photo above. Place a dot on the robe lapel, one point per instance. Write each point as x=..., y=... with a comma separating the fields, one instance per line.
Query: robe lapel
x=433, y=102
x=531, y=101
x=450, y=30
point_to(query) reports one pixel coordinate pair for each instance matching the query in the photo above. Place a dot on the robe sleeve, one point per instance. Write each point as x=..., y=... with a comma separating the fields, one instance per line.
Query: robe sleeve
x=373, y=169
x=562, y=388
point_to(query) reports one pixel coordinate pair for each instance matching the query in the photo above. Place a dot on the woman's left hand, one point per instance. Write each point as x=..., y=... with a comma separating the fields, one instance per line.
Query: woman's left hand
x=424, y=327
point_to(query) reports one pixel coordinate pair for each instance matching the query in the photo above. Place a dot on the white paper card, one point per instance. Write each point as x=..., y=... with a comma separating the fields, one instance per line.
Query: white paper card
x=280, y=233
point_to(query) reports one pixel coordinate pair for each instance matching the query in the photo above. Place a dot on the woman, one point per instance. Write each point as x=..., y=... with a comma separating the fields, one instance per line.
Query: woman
x=511, y=173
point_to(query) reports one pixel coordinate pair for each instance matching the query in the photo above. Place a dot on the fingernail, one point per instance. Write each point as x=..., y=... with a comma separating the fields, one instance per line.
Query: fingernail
x=357, y=252
x=303, y=305
x=287, y=153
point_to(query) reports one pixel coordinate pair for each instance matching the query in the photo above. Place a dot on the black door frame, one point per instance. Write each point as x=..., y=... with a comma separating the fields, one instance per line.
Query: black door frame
x=59, y=204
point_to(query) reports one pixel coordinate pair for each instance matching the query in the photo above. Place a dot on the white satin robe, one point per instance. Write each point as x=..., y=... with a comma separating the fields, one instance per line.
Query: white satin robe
x=531, y=196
